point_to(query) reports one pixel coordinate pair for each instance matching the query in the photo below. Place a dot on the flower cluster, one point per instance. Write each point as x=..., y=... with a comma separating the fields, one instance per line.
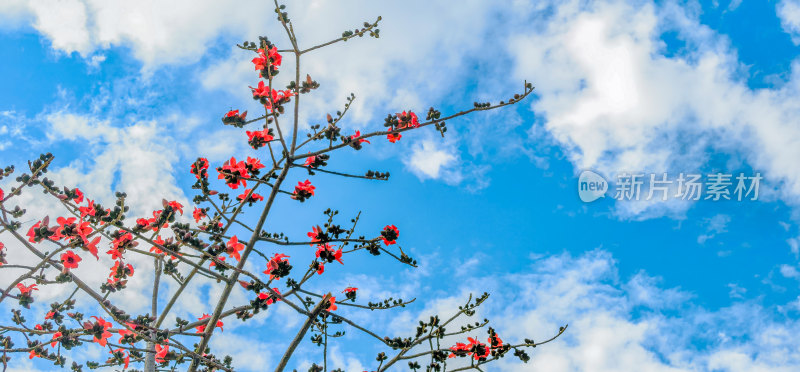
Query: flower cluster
x=402, y=120
x=259, y=138
x=478, y=350
x=390, y=234
x=271, y=99
x=278, y=266
x=303, y=191
x=234, y=118
x=252, y=198
x=267, y=62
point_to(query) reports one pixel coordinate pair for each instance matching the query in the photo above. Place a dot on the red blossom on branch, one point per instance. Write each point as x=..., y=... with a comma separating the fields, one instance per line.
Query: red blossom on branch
x=70, y=260
x=394, y=137
x=161, y=352
x=202, y=328
x=390, y=234
x=26, y=290
x=303, y=191
x=233, y=247
x=199, y=214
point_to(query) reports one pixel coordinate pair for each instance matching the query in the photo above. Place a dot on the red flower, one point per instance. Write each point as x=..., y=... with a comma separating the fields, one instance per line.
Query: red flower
x=127, y=355
x=176, y=206
x=477, y=349
x=349, y=289
x=390, y=234
x=233, y=173
x=303, y=191
x=394, y=137
x=233, y=118
x=78, y=196
x=31, y=232
x=310, y=161
x=158, y=241
x=26, y=289
x=92, y=246
x=277, y=266
x=202, y=328
x=161, y=352
x=359, y=140
x=55, y=336
x=270, y=98
x=103, y=333
x=198, y=214
x=253, y=165
x=316, y=234
x=272, y=56
x=332, y=306
x=2, y=195
x=70, y=260
x=407, y=120
x=259, y=138
x=124, y=332
x=199, y=168
x=320, y=269
x=325, y=252
x=252, y=199
x=49, y=315
x=233, y=247
x=212, y=264
x=88, y=210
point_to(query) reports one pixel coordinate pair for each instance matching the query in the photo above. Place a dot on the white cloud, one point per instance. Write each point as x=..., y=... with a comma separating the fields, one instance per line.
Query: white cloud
x=428, y=159
x=611, y=97
x=789, y=13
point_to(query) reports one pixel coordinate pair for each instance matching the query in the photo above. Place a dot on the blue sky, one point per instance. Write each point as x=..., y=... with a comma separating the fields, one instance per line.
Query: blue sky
x=117, y=94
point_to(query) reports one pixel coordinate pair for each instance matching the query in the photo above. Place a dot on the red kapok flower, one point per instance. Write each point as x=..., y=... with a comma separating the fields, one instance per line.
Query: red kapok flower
x=100, y=329
x=26, y=289
x=88, y=210
x=212, y=264
x=390, y=234
x=259, y=138
x=350, y=289
x=199, y=214
x=233, y=247
x=310, y=161
x=278, y=266
x=252, y=199
x=359, y=140
x=78, y=196
x=316, y=234
x=55, y=341
x=199, y=168
x=325, y=252
x=332, y=306
x=126, y=359
x=161, y=353
x=394, y=137
x=303, y=191
x=202, y=328
x=1, y=195
x=176, y=206
x=92, y=246
x=70, y=260
x=233, y=173
x=408, y=119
